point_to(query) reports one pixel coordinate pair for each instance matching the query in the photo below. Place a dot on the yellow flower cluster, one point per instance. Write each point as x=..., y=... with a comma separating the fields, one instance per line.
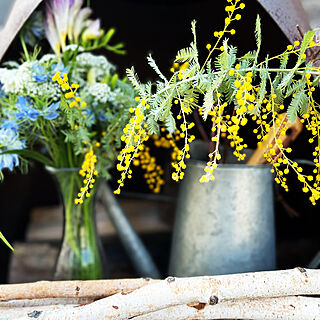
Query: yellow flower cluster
x=224, y=126
x=153, y=172
x=88, y=172
x=178, y=156
x=271, y=128
x=231, y=9
x=71, y=90
x=134, y=136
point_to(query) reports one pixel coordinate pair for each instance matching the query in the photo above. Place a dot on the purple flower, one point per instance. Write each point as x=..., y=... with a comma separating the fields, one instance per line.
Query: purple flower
x=65, y=18
x=25, y=111
x=59, y=10
x=51, y=31
x=92, y=31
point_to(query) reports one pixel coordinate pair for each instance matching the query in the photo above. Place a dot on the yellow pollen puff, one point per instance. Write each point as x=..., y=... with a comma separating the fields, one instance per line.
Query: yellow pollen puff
x=69, y=95
x=56, y=76
x=73, y=104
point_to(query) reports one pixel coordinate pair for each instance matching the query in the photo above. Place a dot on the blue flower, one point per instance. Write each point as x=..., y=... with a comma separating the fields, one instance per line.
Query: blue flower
x=51, y=112
x=40, y=74
x=2, y=94
x=9, y=140
x=90, y=118
x=102, y=116
x=10, y=124
x=58, y=67
x=25, y=111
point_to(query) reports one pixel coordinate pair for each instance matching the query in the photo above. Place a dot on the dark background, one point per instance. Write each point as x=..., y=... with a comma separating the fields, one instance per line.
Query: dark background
x=162, y=28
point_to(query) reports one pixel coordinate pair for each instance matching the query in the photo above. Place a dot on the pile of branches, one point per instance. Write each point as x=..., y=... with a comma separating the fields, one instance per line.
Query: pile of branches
x=288, y=294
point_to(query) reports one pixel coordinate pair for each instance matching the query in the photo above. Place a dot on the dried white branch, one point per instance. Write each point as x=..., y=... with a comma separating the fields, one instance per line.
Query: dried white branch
x=182, y=291
x=69, y=289
x=43, y=302
x=14, y=313
x=289, y=308
x=20, y=12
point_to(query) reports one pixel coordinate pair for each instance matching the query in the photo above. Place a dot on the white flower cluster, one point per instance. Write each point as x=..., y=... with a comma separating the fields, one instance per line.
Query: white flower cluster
x=20, y=81
x=48, y=57
x=15, y=80
x=43, y=89
x=100, y=92
x=99, y=66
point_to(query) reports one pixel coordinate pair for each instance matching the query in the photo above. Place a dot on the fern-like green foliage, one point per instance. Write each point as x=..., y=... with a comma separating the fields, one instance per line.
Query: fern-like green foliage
x=211, y=79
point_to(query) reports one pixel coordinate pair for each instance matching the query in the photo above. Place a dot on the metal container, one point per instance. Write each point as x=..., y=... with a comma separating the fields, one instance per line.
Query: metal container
x=225, y=226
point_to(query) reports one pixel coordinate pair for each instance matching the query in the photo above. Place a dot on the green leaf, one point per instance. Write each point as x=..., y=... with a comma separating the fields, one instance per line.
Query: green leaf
x=258, y=38
x=299, y=104
x=133, y=78
x=261, y=92
x=308, y=36
x=186, y=54
x=207, y=104
x=222, y=61
x=153, y=126
x=251, y=55
x=5, y=241
x=170, y=123
x=107, y=37
x=154, y=66
x=34, y=155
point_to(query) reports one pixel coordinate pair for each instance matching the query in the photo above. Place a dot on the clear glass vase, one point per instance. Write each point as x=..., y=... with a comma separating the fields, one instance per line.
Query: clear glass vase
x=81, y=256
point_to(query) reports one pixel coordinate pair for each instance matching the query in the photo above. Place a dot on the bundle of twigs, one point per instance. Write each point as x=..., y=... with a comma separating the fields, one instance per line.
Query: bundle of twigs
x=289, y=294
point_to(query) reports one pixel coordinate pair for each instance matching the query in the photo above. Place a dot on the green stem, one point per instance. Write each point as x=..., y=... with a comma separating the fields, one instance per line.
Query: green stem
x=69, y=203
x=24, y=47
x=69, y=154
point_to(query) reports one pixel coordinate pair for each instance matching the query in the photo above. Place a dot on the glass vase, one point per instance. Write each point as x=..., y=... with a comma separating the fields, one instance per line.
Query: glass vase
x=81, y=256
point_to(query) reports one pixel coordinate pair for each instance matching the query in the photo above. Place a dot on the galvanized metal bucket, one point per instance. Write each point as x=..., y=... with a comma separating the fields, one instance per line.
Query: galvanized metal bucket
x=225, y=226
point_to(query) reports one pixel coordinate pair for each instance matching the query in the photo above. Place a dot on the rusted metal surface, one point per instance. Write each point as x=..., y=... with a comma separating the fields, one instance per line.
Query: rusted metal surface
x=293, y=20
x=287, y=14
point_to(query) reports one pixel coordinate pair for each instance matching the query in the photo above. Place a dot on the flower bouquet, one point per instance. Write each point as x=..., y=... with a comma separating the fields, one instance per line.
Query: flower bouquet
x=233, y=95
x=66, y=109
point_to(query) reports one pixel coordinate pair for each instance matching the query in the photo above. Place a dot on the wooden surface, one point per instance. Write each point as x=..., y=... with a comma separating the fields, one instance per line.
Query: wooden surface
x=35, y=258
x=145, y=216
